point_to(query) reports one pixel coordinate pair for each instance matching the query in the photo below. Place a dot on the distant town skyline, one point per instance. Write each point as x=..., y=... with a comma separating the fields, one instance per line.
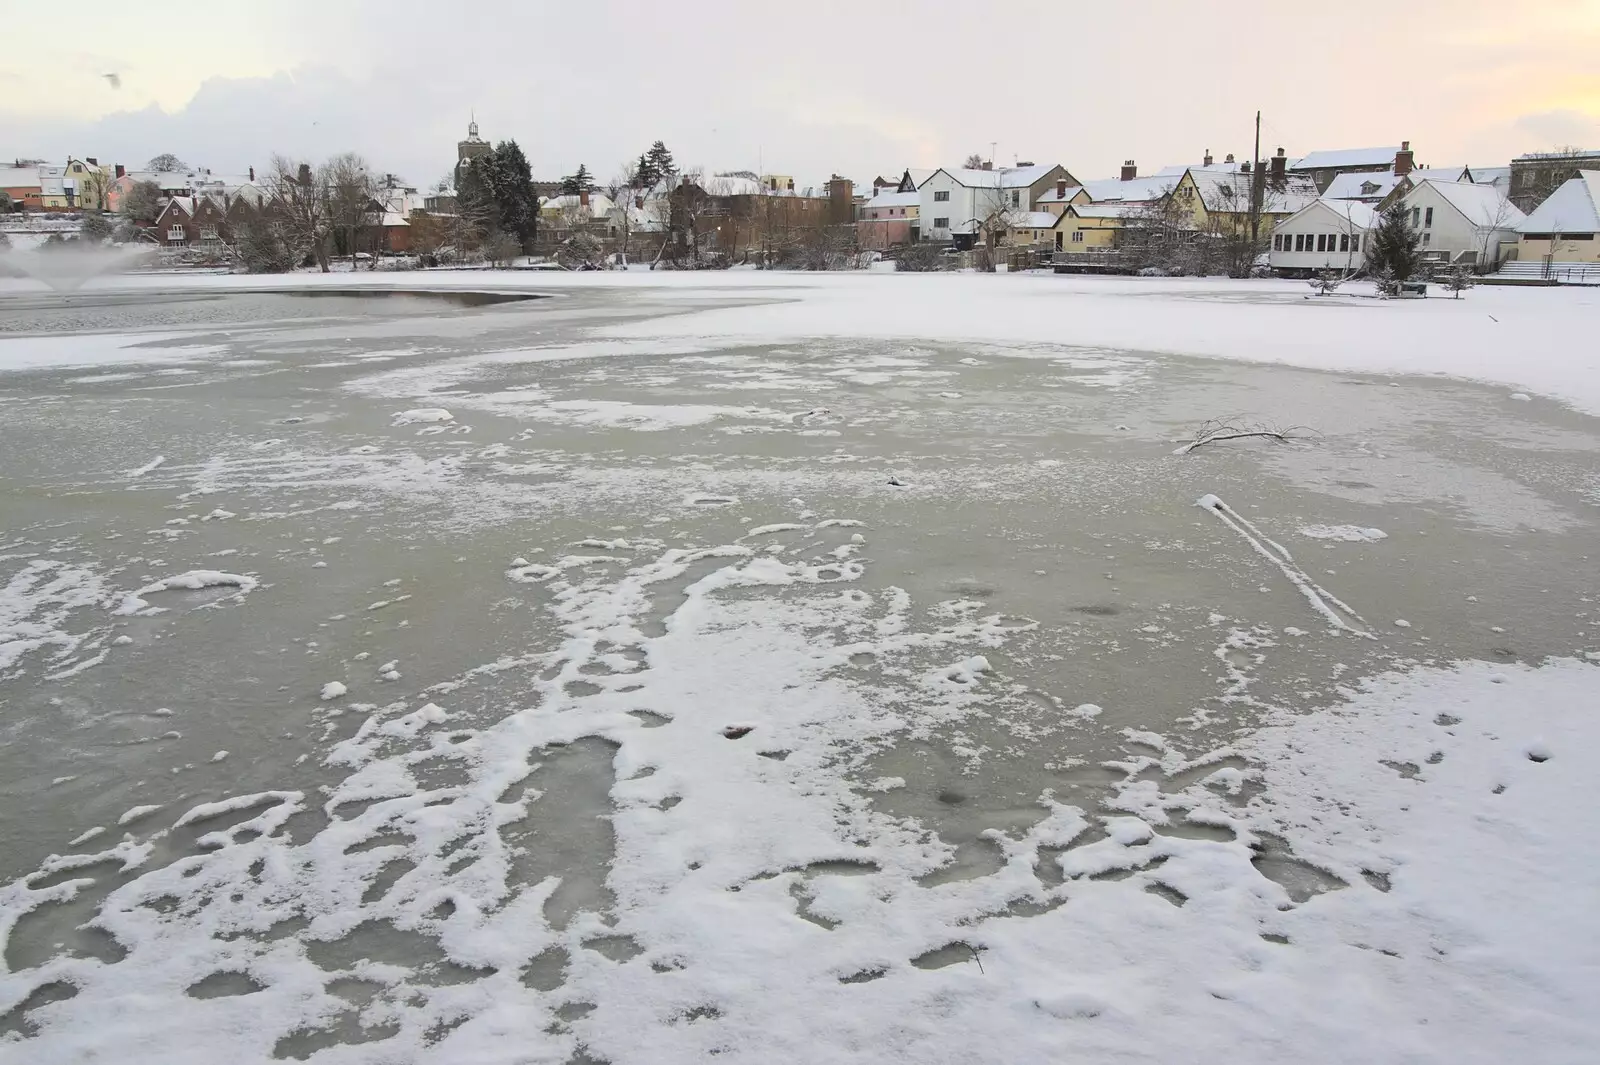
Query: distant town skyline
x=847, y=88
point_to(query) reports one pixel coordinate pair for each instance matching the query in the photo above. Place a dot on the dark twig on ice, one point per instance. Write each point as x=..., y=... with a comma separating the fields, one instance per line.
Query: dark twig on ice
x=1220, y=429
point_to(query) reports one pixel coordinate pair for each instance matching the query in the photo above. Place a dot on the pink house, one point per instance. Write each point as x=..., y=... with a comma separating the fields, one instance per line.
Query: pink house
x=887, y=220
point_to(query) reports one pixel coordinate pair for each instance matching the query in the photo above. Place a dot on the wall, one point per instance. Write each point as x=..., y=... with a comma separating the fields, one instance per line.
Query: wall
x=958, y=209
x=1452, y=232
x=1568, y=250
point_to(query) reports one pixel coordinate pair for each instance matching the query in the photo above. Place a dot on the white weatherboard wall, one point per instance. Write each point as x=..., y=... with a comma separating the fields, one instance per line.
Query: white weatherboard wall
x=1453, y=232
x=960, y=208
x=1326, y=218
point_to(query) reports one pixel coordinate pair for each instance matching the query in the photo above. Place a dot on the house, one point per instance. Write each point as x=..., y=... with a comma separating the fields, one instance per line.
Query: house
x=1056, y=200
x=1463, y=223
x=21, y=183
x=1031, y=229
x=1536, y=175
x=1326, y=234
x=955, y=203
x=1323, y=167
x=1565, y=228
x=1091, y=227
x=736, y=215
x=1219, y=200
x=888, y=220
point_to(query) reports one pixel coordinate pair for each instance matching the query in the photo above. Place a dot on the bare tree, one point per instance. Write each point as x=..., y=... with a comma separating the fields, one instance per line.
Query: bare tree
x=351, y=192
x=1501, y=219
x=167, y=163
x=973, y=162
x=1159, y=235
x=624, y=191
x=692, y=208
x=299, y=194
x=995, y=212
x=93, y=188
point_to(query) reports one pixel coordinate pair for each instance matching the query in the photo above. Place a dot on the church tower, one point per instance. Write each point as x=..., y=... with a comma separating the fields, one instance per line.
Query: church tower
x=474, y=147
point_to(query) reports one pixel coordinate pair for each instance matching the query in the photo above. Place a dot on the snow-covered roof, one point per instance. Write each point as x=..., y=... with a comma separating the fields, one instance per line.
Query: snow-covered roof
x=1102, y=210
x=19, y=177
x=1351, y=186
x=1346, y=157
x=1176, y=172
x=894, y=199
x=1572, y=208
x=1230, y=193
x=599, y=203
x=1014, y=177
x=1139, y=190
x=1034, y=220
x=1358, y=214
x=1482, y=205
x=1050, y=196
x=1498, y=176
x=920, y=174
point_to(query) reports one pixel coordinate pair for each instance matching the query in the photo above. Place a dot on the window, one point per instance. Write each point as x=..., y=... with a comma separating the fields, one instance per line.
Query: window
x=941, y=223
x=175, y=233
x=1416, y=217
x=1344, y=242
x=1427, y=238
x=1058, y=241
x=208, y=232
x=1355, y=242
x=941, y=197
x=1427, y=219
x=1016, y=198
x=1077, y=236
x=1299, y=242
x=1322, y=242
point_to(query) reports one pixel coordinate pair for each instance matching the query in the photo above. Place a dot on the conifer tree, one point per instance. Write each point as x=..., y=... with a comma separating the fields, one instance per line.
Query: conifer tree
x=1393, y=247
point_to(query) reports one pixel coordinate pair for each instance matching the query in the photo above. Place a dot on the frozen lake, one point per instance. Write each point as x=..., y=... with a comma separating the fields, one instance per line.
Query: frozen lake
x=607, y=677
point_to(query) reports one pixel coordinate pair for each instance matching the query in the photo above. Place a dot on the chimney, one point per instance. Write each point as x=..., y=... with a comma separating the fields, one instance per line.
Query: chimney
x=791, y=184
x=1280, y=165
x=1207, y=161
x=1129, y=170
x=1404, y=161
x=122, y=171
x=1229, y=158
x=1061, y=188
x=252, y=174
x=92, y=161
x=583, y=197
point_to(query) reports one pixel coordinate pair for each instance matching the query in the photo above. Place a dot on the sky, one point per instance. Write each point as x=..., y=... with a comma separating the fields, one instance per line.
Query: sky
x=859, y=89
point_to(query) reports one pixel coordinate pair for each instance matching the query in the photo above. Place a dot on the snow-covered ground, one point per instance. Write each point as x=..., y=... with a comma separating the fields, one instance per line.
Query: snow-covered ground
x=669, y=800
x=1533, y=339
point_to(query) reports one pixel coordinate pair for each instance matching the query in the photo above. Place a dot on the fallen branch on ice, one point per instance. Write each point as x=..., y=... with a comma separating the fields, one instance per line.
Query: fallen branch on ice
x=1219, y=429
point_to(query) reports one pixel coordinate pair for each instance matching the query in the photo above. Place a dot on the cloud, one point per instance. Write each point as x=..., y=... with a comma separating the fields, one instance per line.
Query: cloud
x=1560, y=128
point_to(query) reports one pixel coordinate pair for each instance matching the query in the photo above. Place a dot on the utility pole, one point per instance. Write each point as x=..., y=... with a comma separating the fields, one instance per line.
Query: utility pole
x=1257, y=185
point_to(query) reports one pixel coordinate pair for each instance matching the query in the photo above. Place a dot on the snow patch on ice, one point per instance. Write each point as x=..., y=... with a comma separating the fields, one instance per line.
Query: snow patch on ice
x=1349, y=533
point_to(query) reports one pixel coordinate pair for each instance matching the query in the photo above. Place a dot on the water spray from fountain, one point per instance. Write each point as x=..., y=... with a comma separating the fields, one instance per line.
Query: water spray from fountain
x=66, y=269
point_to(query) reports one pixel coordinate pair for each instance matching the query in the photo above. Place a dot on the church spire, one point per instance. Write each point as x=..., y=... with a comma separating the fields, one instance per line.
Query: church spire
x=472, y=126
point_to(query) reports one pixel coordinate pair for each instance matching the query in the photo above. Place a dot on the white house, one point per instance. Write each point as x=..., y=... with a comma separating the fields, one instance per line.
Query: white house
x=952, y=204
x=1324, y=235
x=1463, y=223
x=1565, y=228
